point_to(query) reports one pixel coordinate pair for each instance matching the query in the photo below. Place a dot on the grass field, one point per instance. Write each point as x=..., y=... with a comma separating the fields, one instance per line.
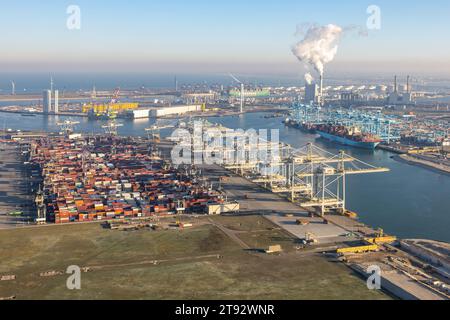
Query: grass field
x=189, y=266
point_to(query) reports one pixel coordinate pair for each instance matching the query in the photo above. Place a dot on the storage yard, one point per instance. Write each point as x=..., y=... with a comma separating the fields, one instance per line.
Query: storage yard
x=99, y=178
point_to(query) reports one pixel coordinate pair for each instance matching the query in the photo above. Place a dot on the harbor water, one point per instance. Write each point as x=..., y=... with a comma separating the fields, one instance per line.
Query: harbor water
x=409, y=201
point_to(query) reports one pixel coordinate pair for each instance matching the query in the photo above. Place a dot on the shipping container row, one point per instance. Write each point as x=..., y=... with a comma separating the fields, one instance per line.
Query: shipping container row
x=97, y=177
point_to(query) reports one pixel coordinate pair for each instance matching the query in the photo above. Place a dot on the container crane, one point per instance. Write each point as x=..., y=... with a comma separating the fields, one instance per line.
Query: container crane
x=67, y=126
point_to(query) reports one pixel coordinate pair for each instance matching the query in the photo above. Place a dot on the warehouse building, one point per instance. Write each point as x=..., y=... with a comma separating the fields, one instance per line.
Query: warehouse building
x=176, y=110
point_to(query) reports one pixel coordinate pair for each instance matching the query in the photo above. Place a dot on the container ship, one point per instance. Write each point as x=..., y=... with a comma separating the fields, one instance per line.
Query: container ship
x=350, y=136
x=303, y=126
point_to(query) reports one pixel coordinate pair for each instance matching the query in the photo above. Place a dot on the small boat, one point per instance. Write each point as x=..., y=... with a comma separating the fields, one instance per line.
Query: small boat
x=27, y=114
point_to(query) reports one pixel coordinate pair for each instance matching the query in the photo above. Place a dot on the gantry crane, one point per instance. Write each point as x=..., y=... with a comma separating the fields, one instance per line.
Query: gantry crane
x=309, y=176
x=154, y=131
x=111, y=127
x=67, y=126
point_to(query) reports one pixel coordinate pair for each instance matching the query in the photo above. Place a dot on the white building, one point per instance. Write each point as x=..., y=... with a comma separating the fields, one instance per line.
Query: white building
x=161, y=112
x=138, y=113
x=56, y=102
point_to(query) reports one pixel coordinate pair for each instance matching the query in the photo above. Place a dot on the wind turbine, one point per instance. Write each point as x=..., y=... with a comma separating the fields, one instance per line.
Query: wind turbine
x=242, y=92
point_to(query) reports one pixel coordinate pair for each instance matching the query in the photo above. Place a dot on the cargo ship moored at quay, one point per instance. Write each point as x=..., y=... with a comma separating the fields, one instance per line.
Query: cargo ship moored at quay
x=349, y=136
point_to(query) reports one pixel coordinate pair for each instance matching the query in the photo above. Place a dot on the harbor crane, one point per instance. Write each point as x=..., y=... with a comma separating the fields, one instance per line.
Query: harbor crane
x=67, y=126
x=111, y=127
x=308, y=176
x=316, y=178
x=154, y=130
x=242, y=95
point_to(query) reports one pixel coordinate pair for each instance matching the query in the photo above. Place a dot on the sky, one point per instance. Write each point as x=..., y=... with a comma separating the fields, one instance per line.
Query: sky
x=240, y=36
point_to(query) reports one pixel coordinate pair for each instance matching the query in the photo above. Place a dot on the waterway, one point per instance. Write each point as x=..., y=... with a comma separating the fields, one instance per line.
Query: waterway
x=409, y=201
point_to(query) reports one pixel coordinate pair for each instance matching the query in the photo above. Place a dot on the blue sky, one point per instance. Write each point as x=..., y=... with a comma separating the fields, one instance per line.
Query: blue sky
x=218, y=36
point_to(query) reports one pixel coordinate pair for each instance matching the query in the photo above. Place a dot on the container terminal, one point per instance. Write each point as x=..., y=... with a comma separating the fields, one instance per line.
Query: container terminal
x=98, y=177
x=123, y=181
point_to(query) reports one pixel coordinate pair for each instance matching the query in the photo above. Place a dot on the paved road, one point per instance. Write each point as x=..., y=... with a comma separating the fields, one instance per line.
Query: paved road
x=14, y=193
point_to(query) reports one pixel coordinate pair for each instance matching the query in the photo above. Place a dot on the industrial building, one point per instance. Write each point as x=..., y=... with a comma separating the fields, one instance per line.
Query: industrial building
x=250, y=93
x=200, y=97
x=314, y=92
x=349, y=99
x=47, y=101
x=47, y=106
x=401, y=98
x=311, y=93
x=155, y=112
x=167, y=111
x=137, y=114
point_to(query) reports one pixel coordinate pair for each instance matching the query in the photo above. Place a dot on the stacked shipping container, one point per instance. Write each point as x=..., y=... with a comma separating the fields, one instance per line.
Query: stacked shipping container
x=96, y=178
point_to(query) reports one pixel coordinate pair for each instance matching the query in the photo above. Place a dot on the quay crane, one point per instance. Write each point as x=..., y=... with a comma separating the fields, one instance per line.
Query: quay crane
x=309, y=176
x=67, y=126
x=154, y=130
x=111, y=127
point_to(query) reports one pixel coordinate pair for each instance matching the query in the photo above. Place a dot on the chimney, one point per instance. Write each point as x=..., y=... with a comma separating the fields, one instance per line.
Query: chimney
x=321, y=90
x=408, y=88
x=395, y=84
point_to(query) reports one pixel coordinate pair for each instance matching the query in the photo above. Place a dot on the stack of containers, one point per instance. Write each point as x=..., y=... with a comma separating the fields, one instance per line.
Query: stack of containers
x=98, y=178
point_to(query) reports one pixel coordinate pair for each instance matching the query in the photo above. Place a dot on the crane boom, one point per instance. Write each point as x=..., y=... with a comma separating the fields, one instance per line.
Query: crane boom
x=235, y=79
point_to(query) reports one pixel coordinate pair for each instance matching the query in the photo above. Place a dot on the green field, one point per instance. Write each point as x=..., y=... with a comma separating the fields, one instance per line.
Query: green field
x=189, y=266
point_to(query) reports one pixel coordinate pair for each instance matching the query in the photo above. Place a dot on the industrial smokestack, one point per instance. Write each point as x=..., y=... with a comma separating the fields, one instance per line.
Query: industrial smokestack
x=395, y=83
x=408, y=88
x=321, y=90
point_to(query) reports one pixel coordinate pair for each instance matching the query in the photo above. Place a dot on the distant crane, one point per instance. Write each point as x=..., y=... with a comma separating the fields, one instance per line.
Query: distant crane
x=67, y=126
x=111, y=127
x=242, y=92
x=154, y=130
x=115, y=96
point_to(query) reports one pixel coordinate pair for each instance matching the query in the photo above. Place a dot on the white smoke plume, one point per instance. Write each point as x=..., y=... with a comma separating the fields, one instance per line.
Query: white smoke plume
x=308, y=78
x=319, y=46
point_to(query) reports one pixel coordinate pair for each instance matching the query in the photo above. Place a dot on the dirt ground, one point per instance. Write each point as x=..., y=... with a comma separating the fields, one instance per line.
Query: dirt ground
x=202, y=262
